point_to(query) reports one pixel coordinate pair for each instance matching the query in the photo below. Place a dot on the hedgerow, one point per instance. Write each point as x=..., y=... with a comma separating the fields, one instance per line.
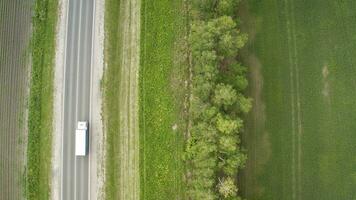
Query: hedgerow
x=213, y=151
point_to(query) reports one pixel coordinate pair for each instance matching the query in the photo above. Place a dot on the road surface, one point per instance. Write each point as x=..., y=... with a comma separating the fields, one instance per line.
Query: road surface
x=74, y=176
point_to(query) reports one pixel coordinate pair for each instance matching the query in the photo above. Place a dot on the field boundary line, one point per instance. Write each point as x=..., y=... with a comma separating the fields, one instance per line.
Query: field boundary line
x=142, y=78
x=299, y=120
x=292, y=87
x=295, y=101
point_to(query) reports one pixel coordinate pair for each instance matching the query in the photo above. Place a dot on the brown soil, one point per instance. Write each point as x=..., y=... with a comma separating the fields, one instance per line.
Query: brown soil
x=14, y=72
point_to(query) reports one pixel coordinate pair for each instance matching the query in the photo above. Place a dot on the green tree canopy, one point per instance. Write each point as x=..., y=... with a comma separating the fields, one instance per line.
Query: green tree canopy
x=218, y=36
x=227, y=188
x=227, y=144
x=228, y=126
x=224, y=95
x=244, y=103
x=227, y=7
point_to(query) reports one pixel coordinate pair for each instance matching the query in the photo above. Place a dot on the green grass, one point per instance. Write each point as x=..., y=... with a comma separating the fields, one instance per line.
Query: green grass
x=41, y=100
x=162, y=74
x=111, y=83
x=302, y=37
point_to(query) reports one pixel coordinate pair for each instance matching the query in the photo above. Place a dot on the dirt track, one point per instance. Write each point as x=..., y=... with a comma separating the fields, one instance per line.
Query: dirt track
x=129, y=129
x=14, y=37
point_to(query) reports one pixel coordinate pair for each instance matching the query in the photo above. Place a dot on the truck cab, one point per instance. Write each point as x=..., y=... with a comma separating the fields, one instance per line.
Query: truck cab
x=81, y=139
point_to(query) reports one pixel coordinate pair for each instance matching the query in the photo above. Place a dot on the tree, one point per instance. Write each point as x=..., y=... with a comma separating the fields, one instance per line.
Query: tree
x=244, y=103
x=232, y=163
x=202, y=88
x=227, y=188
x=205, y=8
x=227, y=7
x=205, y=194
x=224, y=95
x=208, y=57
x=201, y=40
x=228, y=38
x=233, y=73
x=241, y=82
x=218, y=36
x=212, y=151
x=209, y=114
x=227, y=144
x=227, y=126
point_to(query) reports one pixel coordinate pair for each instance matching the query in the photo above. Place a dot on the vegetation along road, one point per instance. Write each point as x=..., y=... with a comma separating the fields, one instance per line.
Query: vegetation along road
x=15, y=35
x=301, y=133
x=143, y=155
x=162, y=95
x=39, y=148
x=121, y=99
x=128, y=102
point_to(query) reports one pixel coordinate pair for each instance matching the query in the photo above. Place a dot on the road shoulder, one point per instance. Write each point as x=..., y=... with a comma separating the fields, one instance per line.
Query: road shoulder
x=58, y=99
x=96, y=161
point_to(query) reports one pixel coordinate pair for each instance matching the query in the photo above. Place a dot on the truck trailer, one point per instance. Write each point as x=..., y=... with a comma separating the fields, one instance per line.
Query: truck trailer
x=81, y=139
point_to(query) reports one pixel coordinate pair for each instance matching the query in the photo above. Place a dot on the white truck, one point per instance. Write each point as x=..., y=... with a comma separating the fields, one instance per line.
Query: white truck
x=81, y=139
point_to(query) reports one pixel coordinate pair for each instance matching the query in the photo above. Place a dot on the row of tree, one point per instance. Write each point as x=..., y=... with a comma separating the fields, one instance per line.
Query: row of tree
x=213, y=151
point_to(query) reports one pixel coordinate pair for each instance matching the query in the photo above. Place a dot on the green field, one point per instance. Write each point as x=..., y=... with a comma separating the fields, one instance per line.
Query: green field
x=300, y=135
x=162, y=75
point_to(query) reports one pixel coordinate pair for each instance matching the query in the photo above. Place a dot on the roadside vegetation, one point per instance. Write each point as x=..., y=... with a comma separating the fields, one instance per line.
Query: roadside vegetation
x=111, y=85
x=163, y=71
x=41, y=100
x=213, y=152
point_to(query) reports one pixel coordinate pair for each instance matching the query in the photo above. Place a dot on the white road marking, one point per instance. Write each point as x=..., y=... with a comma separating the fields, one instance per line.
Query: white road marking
x=63, y=95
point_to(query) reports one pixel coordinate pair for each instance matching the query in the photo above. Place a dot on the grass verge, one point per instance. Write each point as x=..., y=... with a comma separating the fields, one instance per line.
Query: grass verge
x=111, y=83
x=41, y=100
x=162, y=87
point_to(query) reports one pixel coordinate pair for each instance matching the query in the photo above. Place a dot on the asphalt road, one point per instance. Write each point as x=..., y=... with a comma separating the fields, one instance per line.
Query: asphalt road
x=75, y=177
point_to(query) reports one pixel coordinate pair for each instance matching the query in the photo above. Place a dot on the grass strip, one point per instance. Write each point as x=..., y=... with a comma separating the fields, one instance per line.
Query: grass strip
x=41, y=100
x=162, y=75
x=111, y=83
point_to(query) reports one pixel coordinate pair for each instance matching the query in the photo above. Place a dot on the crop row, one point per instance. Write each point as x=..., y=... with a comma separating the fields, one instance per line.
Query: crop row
x=14, y=37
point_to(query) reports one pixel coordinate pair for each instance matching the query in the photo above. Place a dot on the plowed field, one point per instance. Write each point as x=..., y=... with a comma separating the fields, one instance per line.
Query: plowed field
x=15, y=16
